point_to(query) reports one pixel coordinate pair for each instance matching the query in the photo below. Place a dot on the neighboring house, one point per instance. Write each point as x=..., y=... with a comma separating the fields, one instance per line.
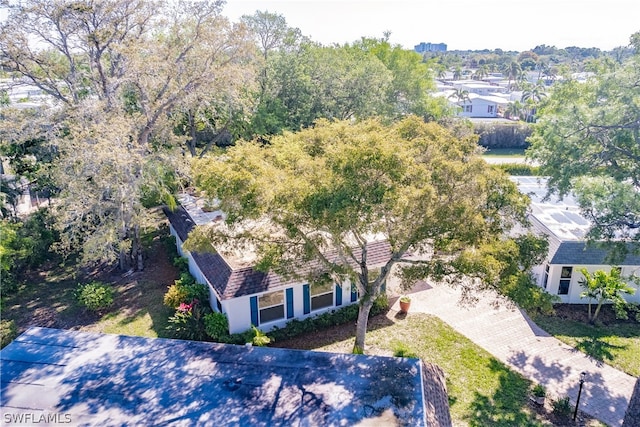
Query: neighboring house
x=250, y=297
x=54, y=376
x=569, y=252
x=479, y=87
x=477, y=106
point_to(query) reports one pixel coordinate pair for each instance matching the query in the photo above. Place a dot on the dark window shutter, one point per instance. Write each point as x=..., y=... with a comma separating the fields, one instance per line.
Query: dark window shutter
x=354, y=294
x=254, y=311
x=338, y=295
x=306, y=296
x=289, y=299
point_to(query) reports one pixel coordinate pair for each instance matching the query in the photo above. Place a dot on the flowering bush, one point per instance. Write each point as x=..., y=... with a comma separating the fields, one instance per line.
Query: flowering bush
x=188, y=321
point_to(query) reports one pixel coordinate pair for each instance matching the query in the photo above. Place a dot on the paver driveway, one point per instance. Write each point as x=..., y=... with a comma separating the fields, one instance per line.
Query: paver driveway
x=509, y=335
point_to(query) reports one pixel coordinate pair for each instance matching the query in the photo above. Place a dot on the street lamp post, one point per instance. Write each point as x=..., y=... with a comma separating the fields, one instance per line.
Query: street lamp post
x=582, y=377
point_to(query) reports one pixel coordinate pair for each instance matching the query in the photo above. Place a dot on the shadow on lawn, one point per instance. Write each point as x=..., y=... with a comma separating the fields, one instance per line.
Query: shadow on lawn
x=506, y=406
x=598, y=349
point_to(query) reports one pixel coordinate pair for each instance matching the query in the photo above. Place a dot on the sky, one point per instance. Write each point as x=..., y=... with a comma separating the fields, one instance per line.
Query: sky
x=461, y=24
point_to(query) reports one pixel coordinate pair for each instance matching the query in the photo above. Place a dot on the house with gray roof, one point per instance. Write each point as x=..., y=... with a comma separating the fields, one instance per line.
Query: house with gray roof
x=561, y=221
x=251, y=297
x=61, y=377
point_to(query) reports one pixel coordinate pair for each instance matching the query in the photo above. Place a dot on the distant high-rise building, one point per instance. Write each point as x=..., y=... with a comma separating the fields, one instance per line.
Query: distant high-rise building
x=430, y=47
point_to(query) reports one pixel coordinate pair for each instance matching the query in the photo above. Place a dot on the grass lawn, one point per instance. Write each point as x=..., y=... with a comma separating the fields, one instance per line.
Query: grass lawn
x=504, y=152
x=616, y=344
x=47, y=298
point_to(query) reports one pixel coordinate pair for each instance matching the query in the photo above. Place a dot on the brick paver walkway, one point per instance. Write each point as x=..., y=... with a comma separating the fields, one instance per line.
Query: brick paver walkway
x=509, y=335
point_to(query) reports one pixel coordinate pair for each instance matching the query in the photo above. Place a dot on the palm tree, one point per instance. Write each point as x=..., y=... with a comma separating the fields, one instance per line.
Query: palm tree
x=550, y=73
x=534, y=93
x=481, y=72
x=457, y=73
x=460, y=95
x=603, y=287
x=513, y=110
x=541, y=66
x=531, y=96
x=512, y=71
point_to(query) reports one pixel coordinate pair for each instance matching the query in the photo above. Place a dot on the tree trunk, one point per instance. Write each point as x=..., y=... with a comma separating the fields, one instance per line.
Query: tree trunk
x=361, y=326
x=122, y=260
x=136, y=255
x=595, y=315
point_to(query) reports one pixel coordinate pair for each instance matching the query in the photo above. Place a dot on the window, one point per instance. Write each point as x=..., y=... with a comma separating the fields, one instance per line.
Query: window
x=321, y=295
x=490, y=109
x=467, y=108
x=565, y=280
x=546, y=276
x=271, y=306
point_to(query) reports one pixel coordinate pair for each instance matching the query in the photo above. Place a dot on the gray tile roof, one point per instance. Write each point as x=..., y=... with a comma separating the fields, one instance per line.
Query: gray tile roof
x=232, y=282
x=98, y=379
x=580, y=253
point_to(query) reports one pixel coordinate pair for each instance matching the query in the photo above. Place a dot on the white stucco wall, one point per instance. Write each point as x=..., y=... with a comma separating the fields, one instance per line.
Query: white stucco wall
x=573, y=297
x=238, y=310
x=479, y=109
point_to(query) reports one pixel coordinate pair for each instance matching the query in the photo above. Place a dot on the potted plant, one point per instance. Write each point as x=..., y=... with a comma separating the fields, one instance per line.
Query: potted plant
x=539, y=394
x=405, y=302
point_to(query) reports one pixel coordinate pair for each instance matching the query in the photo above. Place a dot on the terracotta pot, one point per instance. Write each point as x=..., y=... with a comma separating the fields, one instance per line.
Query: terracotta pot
x=538, y=399
x=404, y=306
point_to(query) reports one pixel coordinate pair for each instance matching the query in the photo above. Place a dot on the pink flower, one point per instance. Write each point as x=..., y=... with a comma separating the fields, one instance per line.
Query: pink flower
x=184, y=307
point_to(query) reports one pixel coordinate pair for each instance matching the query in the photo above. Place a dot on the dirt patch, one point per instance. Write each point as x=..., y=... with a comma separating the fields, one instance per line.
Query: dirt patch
x=580, y=313
x=47, y=298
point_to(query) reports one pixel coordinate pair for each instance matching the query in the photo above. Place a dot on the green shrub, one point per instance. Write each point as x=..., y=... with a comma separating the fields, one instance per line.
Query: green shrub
x=94, y=296
x=539, y=390
x=380, y=305
x=188, y=321
x=519, y=169
x=260, y=339
x=503, y=135
x=182, y=264
x=327, y=319
x=8, y=332
x=216, y=325
x=185, y=289
x=175, y=295
x=623, y=310
x=186, y=279
x=562, y=407
x=402, y=350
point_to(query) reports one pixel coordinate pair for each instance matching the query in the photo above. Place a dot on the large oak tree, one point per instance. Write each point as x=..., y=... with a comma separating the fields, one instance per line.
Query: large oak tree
x=116, y=72
x=339, y=185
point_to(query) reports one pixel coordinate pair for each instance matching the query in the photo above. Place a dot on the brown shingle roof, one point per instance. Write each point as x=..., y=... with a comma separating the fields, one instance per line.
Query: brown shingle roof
x=632, y=417
x=232, y=282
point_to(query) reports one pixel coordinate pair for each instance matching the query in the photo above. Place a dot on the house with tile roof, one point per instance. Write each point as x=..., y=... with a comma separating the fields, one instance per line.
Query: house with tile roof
x=251, y=297
x=561, y=221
